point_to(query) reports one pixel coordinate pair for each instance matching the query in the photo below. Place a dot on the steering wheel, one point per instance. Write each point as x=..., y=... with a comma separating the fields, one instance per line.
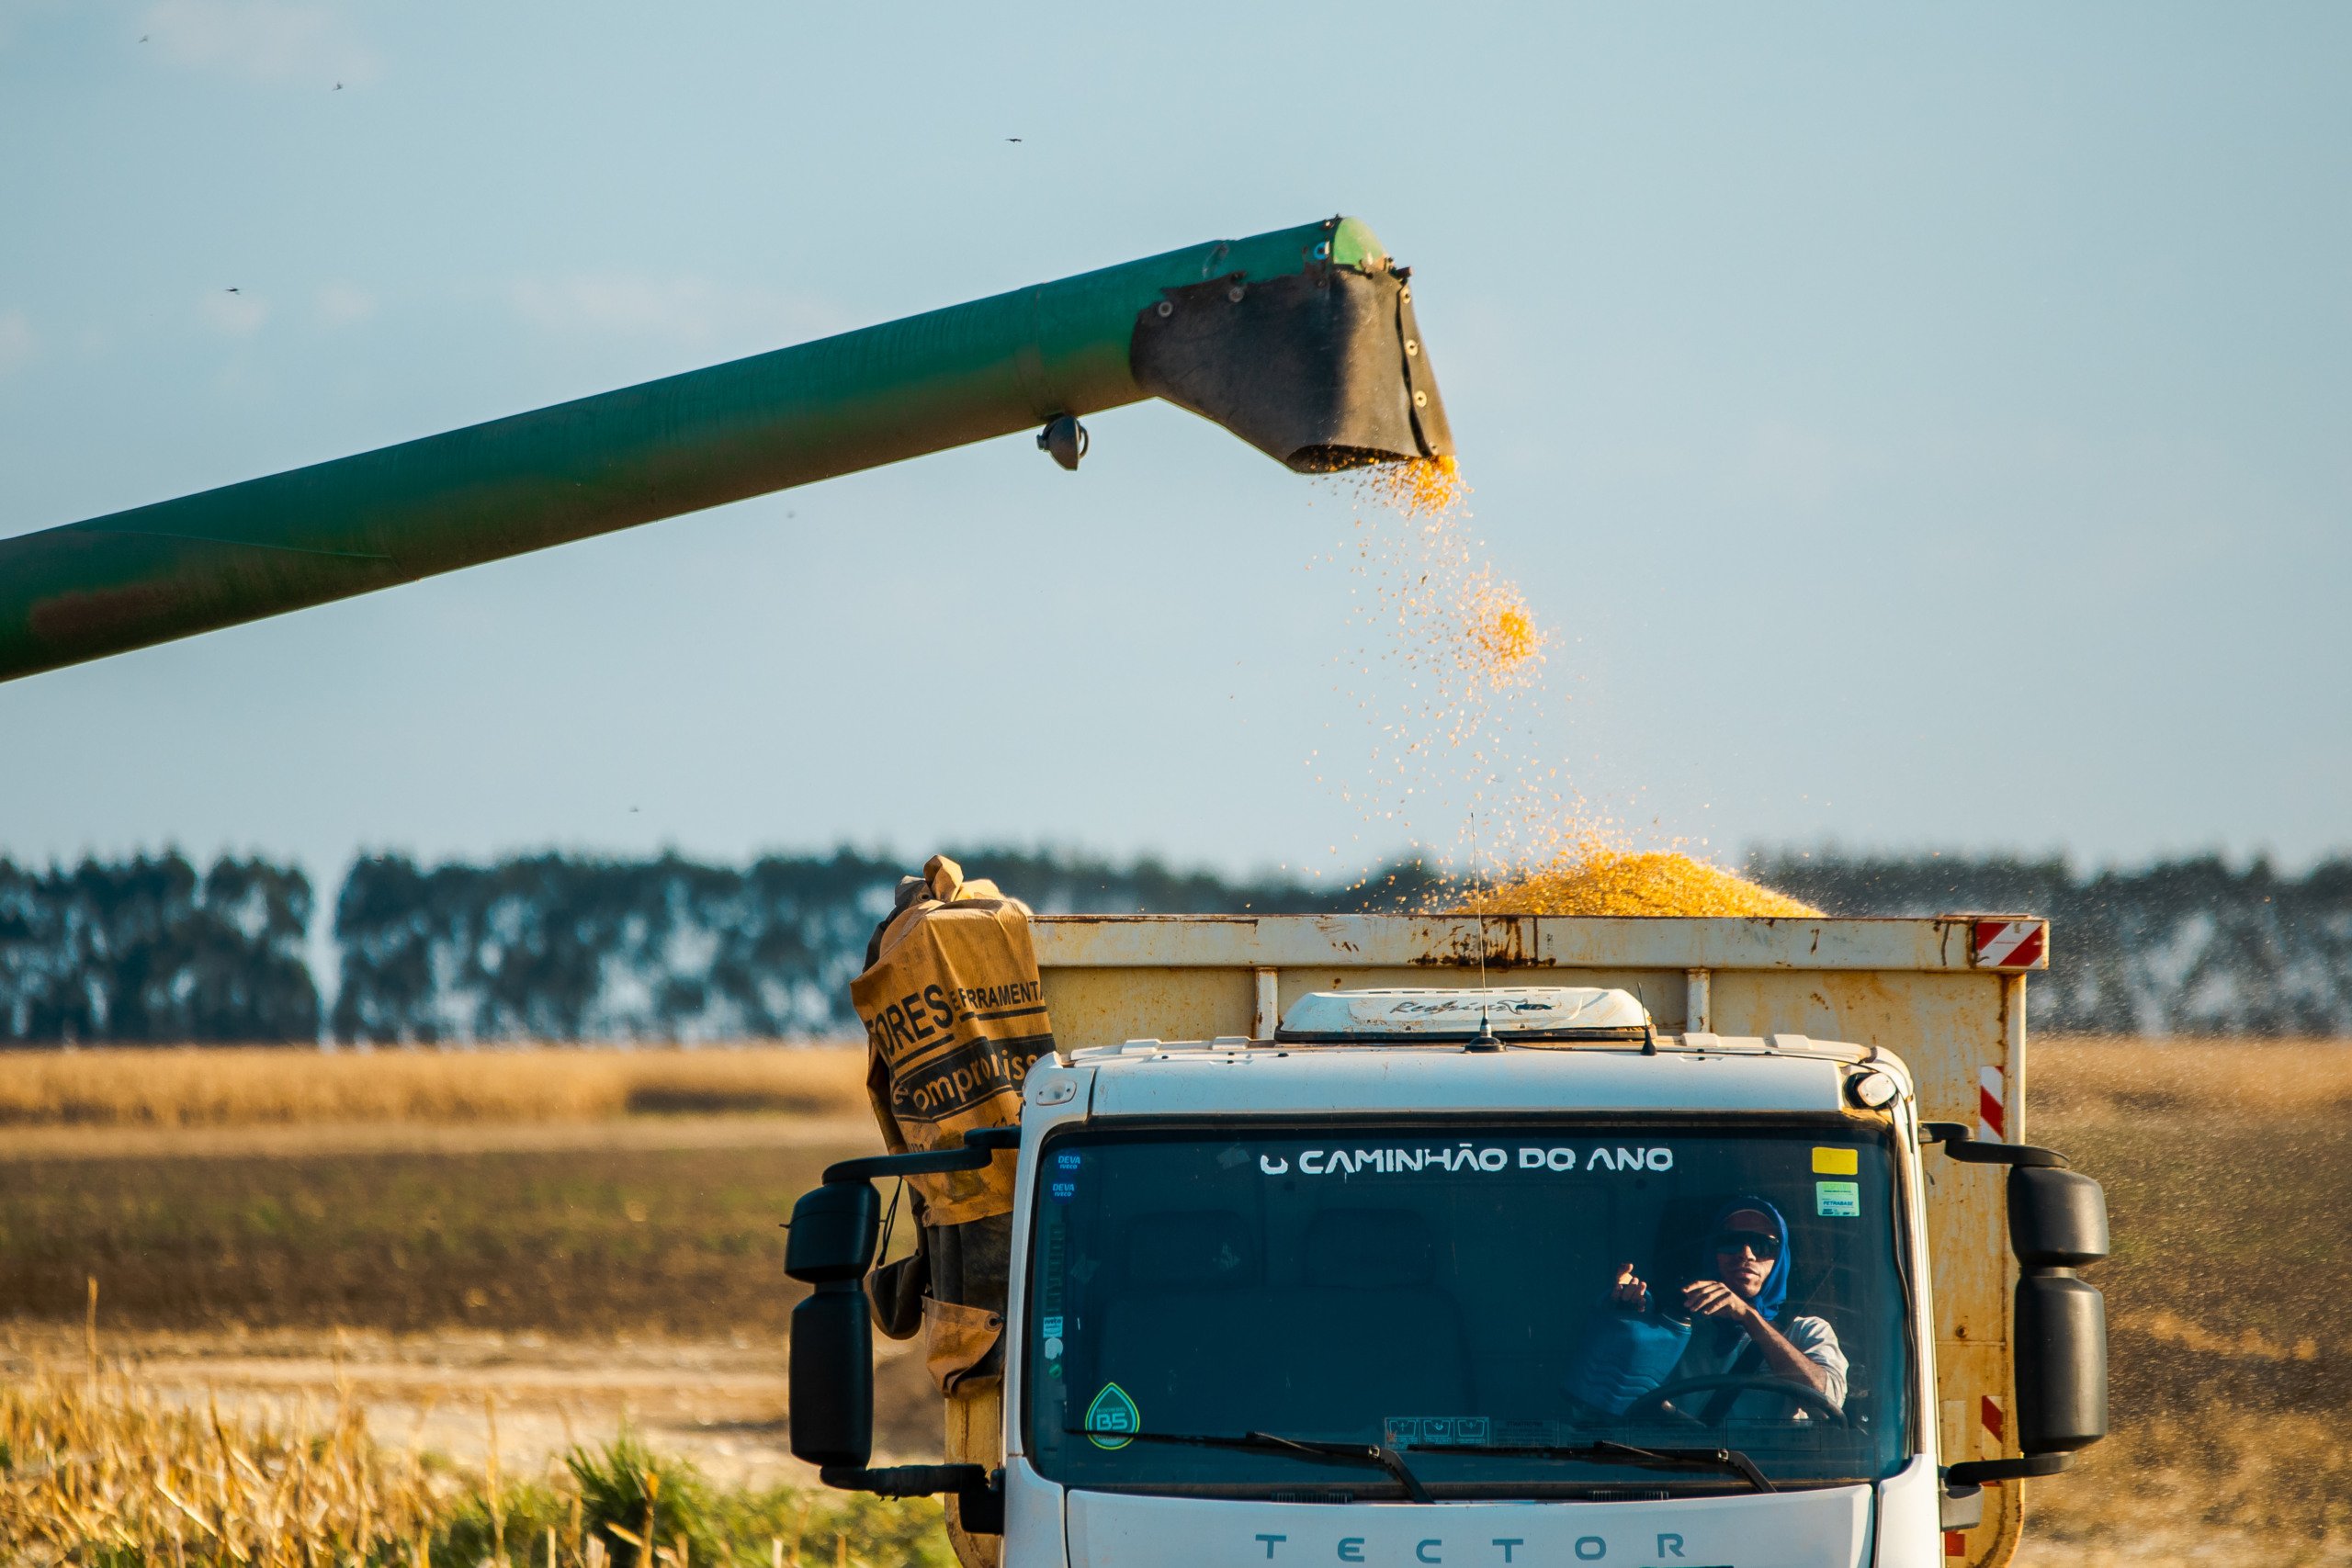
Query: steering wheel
x=1653, y=1404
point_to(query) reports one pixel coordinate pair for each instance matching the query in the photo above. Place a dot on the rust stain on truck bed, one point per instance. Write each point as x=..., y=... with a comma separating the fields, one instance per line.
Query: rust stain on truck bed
x=1500, y=942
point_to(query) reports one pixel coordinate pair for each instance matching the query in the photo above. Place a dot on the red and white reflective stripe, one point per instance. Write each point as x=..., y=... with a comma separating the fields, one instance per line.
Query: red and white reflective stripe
x=2008, y=944
x=1993, y=1105
x=1988, y=1415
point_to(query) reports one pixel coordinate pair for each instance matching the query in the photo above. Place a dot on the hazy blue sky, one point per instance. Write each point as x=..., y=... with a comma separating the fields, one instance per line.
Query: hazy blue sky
x=1921, y=427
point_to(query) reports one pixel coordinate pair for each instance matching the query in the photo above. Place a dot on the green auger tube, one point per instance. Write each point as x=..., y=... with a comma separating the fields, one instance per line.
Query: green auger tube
x=1301, y=342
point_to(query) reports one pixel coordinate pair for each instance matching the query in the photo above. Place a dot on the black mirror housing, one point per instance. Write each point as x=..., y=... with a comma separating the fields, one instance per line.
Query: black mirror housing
x=834, y=1231
x=832, y=1393
x=2061, y=1363
x=2057, y=1223
x=834, y=1234
x=2057, y=1218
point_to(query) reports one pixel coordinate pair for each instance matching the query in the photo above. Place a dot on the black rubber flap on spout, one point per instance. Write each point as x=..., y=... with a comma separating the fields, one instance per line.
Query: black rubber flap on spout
x=1322, y=369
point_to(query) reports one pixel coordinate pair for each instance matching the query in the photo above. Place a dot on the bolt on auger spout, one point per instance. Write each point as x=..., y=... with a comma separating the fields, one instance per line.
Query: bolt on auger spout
x=1301, y=342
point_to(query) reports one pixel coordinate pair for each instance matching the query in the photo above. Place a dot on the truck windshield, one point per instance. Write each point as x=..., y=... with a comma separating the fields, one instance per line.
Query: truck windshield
x=1494, y=1304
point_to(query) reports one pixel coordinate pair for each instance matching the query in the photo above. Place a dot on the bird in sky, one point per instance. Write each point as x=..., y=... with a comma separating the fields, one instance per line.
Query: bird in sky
x=143, y=37
x=235, y=291
x=1012, y=138
x=338, y=86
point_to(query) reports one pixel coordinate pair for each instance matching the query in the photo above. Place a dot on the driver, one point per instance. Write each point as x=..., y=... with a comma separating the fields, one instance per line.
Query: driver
x=1738, y=1323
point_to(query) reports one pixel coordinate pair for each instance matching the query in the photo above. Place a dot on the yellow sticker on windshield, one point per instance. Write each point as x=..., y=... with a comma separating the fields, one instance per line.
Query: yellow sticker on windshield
x=1837, y=1162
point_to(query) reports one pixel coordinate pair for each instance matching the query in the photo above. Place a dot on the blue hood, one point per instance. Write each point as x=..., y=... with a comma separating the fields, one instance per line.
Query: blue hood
x=1776, y=1283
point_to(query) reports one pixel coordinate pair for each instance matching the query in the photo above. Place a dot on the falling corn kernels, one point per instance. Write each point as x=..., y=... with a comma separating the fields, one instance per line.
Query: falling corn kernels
x=1471, y=735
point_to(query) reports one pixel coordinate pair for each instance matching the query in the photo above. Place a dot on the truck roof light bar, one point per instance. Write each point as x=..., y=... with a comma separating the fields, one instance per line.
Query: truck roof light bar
x=1477, y=1039
x=1482, y=1018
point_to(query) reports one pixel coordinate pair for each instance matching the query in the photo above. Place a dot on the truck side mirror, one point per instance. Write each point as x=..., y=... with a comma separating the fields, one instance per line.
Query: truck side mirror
x=2057, y=1218
x=2057, y=1224
x=835, y=1229
x=2060, y=1362
x=832, y=1243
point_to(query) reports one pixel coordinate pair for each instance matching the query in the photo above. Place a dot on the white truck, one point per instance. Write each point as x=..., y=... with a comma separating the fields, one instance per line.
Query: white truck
x=1369, y=1239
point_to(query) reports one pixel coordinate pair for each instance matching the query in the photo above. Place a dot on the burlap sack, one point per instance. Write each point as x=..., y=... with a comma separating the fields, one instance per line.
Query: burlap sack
x=955, y=1016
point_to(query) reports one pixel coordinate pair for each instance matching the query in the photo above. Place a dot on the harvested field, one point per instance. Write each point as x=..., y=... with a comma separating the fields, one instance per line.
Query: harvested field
x=215, y=1087
x=605, y=1238
x=402, y=1291
x=2228, y=1168
x=465, y=1256
x=2098, y=1081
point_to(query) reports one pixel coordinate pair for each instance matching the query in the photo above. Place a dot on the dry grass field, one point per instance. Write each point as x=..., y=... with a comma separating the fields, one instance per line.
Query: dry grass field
x=349, y=1298
x=583, y=1236
x=2095, y=1081
x=99, y=1467
x=133, y=1089
x=2228, y=1169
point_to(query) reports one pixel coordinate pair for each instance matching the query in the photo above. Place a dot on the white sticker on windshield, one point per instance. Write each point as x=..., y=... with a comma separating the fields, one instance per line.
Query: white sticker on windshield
x=1838, y=1200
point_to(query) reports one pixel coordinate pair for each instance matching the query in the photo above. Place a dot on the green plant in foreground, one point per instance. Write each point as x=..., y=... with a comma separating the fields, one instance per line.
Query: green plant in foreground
x=631, y=1497
x=613, y=1488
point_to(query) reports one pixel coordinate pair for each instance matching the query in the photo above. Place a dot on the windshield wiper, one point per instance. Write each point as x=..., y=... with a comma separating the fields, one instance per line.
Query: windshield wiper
x=1728, y=1461
x=1378, y=1454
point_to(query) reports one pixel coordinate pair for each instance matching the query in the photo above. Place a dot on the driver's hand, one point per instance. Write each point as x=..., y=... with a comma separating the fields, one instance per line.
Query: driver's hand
x=1713, y=1298
x=1630, y=1290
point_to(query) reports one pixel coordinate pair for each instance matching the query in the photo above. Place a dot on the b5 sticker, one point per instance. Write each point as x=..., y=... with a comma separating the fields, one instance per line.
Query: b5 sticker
x=1112, y=1411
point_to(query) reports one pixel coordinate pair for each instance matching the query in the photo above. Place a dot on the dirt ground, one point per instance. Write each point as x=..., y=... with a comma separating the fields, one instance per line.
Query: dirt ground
x=659, y=1226
x=271, y=1267
x=718, y=1403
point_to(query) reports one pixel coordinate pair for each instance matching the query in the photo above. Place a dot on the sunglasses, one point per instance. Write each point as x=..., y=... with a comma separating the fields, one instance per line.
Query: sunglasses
x=1763, y=1244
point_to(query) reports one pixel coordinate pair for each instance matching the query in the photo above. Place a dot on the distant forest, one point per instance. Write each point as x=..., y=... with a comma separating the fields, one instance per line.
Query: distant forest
x=2181, y=947
x=564, y=948
x=147, y=950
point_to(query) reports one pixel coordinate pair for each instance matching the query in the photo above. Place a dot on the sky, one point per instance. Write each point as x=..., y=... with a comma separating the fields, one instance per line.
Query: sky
x=1915, y=427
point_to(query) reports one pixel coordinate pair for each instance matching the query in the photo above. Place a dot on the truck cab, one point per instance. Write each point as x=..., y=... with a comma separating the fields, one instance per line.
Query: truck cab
x=1487, y=1274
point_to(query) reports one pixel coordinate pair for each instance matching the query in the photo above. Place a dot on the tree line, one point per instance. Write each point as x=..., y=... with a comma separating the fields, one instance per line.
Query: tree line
x=2188, y=946
x=554, y=947
x=147, y=950
x=579, y=948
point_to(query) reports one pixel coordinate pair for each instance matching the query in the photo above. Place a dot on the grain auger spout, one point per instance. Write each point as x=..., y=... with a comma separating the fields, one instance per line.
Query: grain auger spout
x=1301, y=342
